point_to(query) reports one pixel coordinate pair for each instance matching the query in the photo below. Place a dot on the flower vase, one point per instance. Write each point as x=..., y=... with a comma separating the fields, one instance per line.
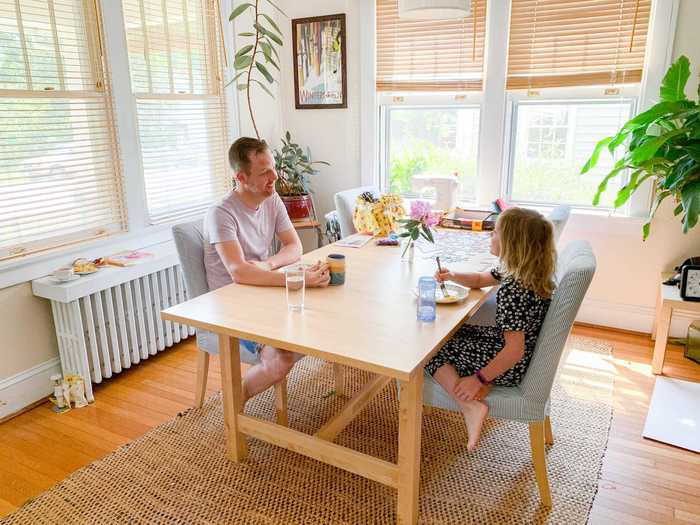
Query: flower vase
x=408, y=250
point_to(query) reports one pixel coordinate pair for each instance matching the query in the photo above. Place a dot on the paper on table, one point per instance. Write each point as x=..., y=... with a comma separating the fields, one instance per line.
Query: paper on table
x=356, y=240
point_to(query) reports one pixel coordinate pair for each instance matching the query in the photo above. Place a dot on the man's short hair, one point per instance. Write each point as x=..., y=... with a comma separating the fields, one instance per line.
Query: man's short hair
x=239, y=152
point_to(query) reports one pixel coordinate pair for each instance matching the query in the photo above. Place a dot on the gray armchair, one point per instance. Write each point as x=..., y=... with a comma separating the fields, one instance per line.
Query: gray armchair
x=529, y=401
x=345, y=207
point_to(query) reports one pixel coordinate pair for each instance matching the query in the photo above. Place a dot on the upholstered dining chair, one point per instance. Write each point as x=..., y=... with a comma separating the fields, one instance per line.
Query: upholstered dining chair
x=486, y=315
x=345, y=207
x=529, y=402
x=189, y=242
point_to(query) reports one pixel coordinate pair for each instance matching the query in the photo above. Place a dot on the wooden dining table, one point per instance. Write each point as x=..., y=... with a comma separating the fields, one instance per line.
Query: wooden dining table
x=368, y=323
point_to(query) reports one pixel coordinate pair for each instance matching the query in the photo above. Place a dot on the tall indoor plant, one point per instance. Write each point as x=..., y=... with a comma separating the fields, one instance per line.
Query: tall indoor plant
x=252, y=59
x=294, y=166
x=661, y=144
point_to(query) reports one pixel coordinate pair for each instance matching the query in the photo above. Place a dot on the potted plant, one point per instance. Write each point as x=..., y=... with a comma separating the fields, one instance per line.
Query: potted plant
x=661, y=144
x=252, y=60
x=293, y=167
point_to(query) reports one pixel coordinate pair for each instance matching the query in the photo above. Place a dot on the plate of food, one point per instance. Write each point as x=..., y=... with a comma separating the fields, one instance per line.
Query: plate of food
x=455, y=293
x=84, y=267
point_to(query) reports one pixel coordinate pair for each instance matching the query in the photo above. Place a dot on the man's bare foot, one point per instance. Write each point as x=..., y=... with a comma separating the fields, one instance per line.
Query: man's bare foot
x=474, y=413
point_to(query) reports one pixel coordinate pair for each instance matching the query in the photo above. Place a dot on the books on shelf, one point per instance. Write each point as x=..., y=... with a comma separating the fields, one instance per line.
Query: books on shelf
x=475, y=220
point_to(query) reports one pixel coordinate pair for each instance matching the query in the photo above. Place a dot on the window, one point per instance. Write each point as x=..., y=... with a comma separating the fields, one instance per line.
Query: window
x=429, y=141
x=553, y=140
x=571, y=71
x=59, y=173
x=174, y=57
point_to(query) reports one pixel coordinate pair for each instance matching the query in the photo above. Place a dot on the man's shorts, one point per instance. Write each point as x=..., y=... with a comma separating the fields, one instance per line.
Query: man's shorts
x=251, y=346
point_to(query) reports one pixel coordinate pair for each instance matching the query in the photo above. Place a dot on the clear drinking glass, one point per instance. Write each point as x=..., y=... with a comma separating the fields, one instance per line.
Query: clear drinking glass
x=426, y=299
x=296, y=285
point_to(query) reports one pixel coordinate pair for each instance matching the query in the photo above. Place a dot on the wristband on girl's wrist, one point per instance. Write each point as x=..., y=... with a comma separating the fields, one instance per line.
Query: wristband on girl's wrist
x=481, y=378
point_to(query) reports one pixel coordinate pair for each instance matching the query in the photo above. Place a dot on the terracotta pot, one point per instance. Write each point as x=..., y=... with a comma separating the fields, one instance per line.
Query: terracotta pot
x=298, y=206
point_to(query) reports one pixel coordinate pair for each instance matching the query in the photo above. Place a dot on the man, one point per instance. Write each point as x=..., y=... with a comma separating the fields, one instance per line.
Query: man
x=238, y=234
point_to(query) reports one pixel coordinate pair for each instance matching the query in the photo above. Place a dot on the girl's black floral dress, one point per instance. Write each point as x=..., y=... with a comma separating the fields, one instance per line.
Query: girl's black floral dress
x=472, y=347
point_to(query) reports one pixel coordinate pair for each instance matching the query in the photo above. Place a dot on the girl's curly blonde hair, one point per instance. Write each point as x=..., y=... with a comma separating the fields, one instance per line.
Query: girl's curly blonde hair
x=528, y=253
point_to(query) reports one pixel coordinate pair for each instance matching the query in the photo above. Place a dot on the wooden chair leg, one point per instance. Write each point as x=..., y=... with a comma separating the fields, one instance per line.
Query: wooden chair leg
x=339, y=373
x=548, y=436
x=281, y=403
x=539, y=460
x=200, y=389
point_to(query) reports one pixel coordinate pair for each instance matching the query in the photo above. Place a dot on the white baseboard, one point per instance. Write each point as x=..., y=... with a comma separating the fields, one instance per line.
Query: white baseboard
x=21, y=390
x=630, y=317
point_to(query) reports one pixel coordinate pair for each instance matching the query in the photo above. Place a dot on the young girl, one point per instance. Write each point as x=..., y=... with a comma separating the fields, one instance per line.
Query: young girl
x=477, y=356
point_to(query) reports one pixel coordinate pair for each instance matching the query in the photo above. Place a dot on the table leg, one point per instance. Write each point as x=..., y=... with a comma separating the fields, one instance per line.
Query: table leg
x=410, y=421
x=236, y=446
x=659, y=306
x=663, y=325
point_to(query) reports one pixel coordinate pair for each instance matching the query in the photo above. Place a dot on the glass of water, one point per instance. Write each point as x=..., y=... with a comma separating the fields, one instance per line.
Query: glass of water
x=296, y=284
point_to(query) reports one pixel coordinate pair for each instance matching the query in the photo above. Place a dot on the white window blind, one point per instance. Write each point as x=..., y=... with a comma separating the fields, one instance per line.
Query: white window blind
x=175, y=52
x=559, y=43
x=59, y=172
x=430, y=55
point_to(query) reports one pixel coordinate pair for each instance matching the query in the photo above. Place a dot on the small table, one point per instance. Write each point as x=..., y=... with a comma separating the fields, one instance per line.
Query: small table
x=368, y=323
x=668, y=299
x=310, y=224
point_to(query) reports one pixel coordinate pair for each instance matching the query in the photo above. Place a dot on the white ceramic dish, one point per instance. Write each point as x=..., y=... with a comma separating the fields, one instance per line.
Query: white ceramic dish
x=456, y=292
x=88, y=273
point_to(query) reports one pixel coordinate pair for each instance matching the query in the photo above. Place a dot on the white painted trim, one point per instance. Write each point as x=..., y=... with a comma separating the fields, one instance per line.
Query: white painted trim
x=492, y=127
x=125, y=114
x=630, y=317
x=19, y=271
x=21, y=390
x=369, y=110
x=230, y=93
x=657, y=59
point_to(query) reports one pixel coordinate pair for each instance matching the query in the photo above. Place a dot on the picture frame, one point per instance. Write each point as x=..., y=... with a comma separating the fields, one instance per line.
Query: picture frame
x=320, y=65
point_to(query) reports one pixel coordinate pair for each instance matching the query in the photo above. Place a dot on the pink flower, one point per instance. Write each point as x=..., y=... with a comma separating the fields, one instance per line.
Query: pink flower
x=432, y=219
x=419, y=209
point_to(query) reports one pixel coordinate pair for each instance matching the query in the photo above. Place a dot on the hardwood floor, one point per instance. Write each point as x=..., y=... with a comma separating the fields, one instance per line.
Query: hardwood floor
x=641, y=482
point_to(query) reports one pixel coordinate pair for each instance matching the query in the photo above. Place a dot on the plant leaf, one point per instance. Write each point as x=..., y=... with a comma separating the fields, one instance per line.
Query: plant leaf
x=414, y=234
x=648, y=149
x=690, y=198
x=596, y=153
x=678, y=210
x=265, y=72
x=659, y=199
x=262, y=86
x=267, y=48
x=241, y=87
x=234, y=78
x=247, y=33
x=244, y=50
x=604, y=183
x=428, y=234
x=268, y=34
x=272, y=23
x=276, y=7
x=239, y=10
x=242, y=62
x=675, y=79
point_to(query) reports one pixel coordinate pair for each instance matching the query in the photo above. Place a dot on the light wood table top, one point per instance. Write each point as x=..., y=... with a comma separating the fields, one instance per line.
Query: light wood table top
x=368, y=323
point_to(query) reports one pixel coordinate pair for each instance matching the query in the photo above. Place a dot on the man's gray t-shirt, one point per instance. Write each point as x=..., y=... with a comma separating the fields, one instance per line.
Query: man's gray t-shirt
x=254, y=230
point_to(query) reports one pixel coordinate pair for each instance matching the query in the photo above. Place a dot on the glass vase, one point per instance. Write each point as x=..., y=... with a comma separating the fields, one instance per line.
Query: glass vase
x=408, y=249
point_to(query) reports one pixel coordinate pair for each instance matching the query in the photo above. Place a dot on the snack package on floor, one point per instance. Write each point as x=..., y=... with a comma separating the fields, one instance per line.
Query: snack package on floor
x=378, y=217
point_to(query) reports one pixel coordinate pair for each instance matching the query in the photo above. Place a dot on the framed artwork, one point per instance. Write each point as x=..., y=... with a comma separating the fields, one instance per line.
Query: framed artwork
x=320, y=75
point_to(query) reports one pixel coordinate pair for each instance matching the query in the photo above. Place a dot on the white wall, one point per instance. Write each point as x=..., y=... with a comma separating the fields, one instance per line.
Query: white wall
x=331, y=134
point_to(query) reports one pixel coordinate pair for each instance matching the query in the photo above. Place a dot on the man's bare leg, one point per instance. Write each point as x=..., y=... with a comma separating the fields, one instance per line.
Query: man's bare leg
x=273, y=367
x=474, y=411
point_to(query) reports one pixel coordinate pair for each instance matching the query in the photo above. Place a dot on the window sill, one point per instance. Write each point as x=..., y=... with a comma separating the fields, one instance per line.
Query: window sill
x=25, y=269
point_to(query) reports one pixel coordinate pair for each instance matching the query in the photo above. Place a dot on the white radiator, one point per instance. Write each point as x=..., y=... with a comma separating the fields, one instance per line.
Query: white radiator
x=109, y=321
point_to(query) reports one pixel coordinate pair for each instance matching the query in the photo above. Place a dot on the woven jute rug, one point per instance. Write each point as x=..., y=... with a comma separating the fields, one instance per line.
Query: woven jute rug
x=178, y=473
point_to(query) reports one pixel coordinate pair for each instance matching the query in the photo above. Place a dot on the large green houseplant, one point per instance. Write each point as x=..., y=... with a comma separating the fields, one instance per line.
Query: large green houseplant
x=294, y=166
x=661, y=144
x=252, y=60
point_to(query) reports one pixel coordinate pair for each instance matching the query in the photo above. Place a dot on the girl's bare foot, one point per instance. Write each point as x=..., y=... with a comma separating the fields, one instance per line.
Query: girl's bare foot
x=474, y=413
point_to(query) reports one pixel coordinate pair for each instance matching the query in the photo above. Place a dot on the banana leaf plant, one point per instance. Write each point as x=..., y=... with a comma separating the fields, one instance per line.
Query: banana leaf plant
x=252, y=60
x=661, y=144
x=293, y=167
